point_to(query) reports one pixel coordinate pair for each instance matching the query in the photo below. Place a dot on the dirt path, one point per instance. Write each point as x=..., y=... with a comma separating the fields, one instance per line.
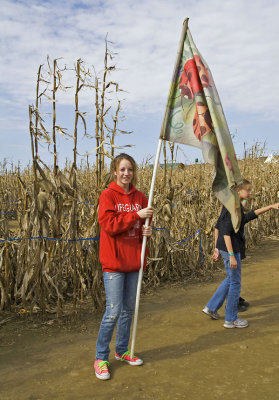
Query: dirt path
x=187, y=355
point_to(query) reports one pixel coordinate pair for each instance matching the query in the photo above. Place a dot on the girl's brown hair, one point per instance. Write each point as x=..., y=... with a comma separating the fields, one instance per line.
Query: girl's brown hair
x=242, y=184
x=115, y=164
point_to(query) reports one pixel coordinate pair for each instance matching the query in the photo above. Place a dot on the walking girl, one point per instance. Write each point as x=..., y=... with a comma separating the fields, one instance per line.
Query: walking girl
x=122, y=213
x=231, y=246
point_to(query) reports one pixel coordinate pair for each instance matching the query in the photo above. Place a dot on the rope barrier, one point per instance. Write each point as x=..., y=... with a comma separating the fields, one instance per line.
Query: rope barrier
x=15, y=201
x=50, y=238
x=98, y=237
x=8, y=213
x=185, y=240
x=201, y=247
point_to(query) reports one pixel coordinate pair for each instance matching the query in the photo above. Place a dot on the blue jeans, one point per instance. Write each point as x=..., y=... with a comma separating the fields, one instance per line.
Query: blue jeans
x=230, y=288
x=121, y=291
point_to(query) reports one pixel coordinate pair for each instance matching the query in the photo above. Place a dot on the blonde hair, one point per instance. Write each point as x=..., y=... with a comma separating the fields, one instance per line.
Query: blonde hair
x=115, y=164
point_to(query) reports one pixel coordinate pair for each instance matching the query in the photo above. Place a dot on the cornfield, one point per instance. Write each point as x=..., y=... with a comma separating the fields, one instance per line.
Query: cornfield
x=45, y=274
x=50, y=214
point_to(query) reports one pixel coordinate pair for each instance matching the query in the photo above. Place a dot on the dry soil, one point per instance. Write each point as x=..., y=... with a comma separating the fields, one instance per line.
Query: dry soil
x=186, y=354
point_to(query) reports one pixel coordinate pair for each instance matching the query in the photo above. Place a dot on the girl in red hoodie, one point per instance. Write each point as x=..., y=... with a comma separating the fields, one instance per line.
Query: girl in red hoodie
x=122, y=212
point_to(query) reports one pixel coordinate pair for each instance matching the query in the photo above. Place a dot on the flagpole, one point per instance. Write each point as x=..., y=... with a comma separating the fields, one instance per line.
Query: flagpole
x=144, y=247
x=174, y=77
x=162, y=135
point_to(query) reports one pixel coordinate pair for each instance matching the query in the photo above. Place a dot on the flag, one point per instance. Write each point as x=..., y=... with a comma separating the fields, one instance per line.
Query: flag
x=194, y=116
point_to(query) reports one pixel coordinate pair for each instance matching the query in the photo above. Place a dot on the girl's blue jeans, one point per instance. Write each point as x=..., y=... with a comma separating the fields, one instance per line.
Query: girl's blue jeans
x=121, y=290
x=230, y=288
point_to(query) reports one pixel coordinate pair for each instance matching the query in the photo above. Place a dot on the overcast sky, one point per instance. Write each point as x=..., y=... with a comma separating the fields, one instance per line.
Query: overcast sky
x=238, y=39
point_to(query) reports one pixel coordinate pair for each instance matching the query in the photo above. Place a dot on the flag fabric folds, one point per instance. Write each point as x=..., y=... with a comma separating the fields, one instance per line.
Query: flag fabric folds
x=194, y=116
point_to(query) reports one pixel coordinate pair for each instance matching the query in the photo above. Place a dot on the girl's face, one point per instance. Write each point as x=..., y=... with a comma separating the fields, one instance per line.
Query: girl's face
x=124, y=174
x=246, y=192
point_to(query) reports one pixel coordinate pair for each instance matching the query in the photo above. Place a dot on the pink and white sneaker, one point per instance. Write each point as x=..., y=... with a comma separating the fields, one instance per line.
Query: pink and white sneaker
x=101, y=369
x=127, y=357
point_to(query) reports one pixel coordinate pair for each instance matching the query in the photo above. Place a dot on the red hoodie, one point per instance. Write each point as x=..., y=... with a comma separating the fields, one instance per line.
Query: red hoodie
x=121, y=228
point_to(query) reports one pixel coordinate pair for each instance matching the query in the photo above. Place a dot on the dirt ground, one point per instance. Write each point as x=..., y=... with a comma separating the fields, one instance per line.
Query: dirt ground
x=186, y=354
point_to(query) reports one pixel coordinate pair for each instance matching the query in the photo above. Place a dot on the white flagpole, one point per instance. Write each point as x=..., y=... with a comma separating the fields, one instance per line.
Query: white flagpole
x=144, y=247
x=162, y=135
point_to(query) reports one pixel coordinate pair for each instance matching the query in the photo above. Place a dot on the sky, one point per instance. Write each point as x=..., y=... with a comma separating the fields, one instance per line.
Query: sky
x=238, y=39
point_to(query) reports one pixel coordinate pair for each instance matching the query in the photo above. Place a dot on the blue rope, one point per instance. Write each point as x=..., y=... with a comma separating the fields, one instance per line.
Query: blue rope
x=8, y=240
x=185, y=240
x=97, y=238
x=50, y=238
x=201, y=247
x=9, y=213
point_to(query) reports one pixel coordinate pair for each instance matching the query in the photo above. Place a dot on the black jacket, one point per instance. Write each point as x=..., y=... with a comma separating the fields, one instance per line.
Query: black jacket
x=225, y=227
